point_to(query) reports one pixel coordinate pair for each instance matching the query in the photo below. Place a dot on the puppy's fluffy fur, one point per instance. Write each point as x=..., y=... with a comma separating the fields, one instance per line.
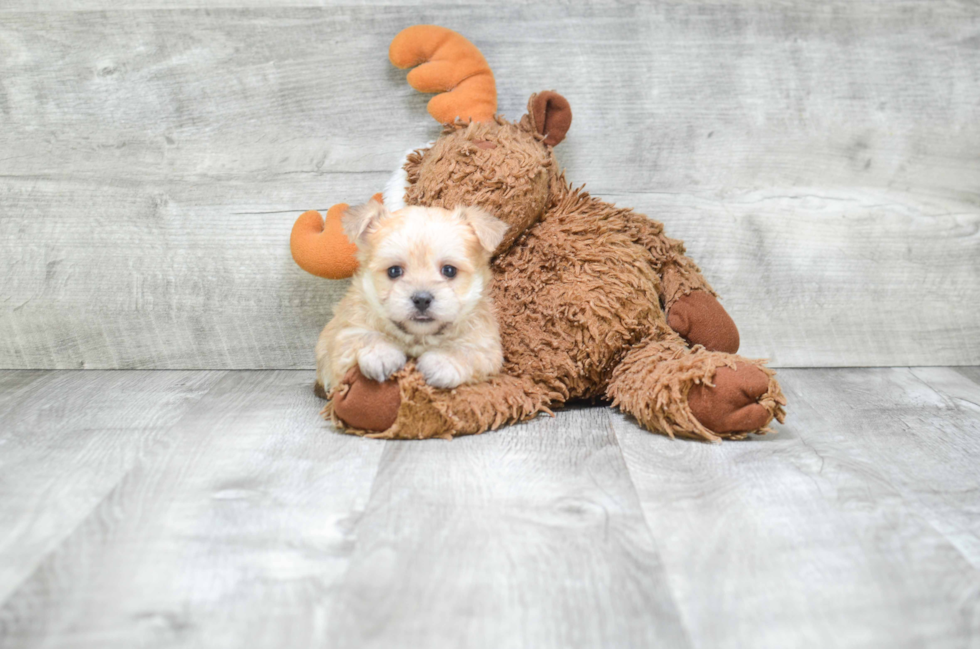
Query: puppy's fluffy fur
x=420, y=292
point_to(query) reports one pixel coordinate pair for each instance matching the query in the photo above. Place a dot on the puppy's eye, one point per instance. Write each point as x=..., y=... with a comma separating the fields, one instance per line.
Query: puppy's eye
x=449, y=271
x=395, y=272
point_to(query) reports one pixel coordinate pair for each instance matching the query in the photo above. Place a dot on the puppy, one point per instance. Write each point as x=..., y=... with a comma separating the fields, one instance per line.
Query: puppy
x=420, y=292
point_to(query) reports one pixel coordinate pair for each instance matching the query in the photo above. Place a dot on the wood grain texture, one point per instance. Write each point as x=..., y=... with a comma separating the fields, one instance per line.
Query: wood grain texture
x=160, y=279
x=234, y=534
x=857, y=525
x=66, y=440
x=820, y=159
x=215, y=509
x=972, y=373
x=865, y=278
x=530, y=537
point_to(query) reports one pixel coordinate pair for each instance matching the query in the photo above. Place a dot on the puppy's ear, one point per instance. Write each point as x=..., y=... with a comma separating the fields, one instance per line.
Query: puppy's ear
x=358, y=221
x=489, y=229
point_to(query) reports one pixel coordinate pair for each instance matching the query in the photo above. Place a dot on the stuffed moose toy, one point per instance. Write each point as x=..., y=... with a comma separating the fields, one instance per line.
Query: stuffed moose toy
x=593, y=300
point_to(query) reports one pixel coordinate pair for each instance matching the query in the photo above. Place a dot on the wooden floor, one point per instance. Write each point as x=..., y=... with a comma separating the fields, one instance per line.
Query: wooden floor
x=215, y=509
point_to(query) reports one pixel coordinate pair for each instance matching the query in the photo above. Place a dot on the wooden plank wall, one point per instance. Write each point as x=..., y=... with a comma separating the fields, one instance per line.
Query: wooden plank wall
x=822, y=160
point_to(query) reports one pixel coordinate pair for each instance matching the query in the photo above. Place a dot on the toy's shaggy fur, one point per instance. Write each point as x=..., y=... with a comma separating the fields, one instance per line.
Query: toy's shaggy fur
x=581, y=288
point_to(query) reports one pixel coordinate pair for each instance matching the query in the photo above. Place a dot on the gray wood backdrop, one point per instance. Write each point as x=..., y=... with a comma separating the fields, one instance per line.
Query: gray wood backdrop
x=822, y=161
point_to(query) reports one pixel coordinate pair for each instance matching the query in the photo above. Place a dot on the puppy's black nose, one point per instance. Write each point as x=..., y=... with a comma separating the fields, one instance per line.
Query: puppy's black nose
x=422, y=300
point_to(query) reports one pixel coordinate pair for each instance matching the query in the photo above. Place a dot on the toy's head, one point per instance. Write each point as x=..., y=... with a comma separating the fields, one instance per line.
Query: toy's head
x=481, y=159
x=506, y=168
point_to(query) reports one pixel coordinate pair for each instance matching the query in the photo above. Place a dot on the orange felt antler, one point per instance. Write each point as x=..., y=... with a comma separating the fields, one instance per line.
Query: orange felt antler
x=320, y=246
x=448, y=64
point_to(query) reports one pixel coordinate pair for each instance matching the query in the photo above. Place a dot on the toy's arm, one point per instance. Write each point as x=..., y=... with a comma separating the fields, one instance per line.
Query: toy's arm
x=679, y=274
x=692, y=306
x=319, y=245
x=690, y=303
x=407, y=407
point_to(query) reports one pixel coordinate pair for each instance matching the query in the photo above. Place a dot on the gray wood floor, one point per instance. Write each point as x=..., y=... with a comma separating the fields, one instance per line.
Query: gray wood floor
x=214, y=509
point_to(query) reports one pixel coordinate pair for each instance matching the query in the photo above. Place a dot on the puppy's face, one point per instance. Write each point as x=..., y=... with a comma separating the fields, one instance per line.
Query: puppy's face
x=422, y=268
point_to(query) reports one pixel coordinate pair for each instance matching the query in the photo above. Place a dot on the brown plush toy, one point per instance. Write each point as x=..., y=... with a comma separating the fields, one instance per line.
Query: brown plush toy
x=593, y=300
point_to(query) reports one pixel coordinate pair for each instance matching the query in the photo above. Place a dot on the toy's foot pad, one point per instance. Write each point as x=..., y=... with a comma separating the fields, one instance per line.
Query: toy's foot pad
x=732, y=405
x=366, y=404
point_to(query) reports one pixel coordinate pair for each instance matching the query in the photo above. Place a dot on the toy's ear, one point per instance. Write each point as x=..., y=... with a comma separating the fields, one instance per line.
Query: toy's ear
x=489, y=229
x=362, y=219
x=551, y=116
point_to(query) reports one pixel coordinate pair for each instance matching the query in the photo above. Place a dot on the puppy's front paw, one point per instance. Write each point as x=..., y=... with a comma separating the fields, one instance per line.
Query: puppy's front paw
x=380, y=361
x=439, y=370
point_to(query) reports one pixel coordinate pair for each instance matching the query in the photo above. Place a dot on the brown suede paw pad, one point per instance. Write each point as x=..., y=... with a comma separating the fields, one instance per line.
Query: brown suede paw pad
x=732, y=405
x=366, y=404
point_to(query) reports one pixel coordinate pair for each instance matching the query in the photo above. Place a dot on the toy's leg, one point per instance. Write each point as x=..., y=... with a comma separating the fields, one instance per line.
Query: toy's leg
x=695, y=393
x=405, y=407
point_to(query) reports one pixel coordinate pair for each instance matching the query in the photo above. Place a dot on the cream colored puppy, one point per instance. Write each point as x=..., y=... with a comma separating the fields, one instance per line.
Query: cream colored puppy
x=420, y=292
